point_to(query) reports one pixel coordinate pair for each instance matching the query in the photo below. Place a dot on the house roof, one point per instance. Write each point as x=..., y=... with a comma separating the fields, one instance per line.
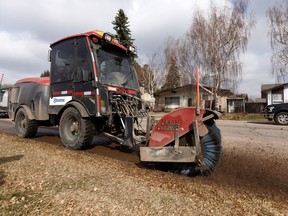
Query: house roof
x=260, y=100
x=176, y=88
x=221, y=92
x=269, y=87
x=239, y=96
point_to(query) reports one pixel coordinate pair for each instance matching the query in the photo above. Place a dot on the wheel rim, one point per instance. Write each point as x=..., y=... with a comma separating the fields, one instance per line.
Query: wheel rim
x=283, y=119
x=72, y=128
x=22, y=122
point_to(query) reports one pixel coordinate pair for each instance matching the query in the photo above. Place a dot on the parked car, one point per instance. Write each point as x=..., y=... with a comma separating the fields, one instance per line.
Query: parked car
x=277, y=113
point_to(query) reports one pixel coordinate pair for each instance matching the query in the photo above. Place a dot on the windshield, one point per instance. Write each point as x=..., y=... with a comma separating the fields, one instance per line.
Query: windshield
x=115, y=68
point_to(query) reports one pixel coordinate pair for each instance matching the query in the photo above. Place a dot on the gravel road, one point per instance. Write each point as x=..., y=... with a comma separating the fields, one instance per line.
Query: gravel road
x=37, y=178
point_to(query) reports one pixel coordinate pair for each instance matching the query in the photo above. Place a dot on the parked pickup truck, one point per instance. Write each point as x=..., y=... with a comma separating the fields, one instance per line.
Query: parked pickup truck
x=277, y=113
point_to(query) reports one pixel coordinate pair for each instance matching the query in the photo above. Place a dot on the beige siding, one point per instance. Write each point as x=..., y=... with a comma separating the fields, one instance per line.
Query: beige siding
x=222, y=104
x=184, y=94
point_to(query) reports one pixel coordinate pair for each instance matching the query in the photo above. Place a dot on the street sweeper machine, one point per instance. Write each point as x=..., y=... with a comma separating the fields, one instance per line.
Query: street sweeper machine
x=93, y=89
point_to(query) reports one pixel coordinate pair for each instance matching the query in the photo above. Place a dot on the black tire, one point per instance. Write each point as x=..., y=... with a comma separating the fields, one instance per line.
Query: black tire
x=212, y=154
x=75, y=132
x=212, y=149
x=282, y=118
x=25, y=127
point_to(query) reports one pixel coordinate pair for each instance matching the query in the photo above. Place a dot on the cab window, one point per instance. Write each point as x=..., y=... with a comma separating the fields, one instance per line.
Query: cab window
x=83, y=61
x=62, y=62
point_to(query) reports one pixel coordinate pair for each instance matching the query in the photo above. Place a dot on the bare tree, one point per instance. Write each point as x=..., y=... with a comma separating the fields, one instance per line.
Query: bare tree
x=278, y=19
x=155, y=77
x=150, y=75
x=214, y=43
x=148, y=79
x=185, y=62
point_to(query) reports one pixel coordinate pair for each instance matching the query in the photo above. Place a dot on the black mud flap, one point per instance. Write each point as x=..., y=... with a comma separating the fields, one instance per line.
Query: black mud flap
x=128, y=133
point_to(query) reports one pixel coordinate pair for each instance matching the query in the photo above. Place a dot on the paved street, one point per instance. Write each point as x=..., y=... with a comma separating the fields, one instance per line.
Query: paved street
x=266, y=132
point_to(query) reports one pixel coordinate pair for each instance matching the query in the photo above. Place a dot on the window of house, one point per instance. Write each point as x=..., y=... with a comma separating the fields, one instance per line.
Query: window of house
x=172, y=101
x=189, y=101
x=206, y=97
x=277, y=96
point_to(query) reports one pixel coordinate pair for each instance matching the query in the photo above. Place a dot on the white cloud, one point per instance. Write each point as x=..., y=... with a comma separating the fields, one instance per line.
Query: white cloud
x=28, y=27
x=22, y=53
x=256, y=71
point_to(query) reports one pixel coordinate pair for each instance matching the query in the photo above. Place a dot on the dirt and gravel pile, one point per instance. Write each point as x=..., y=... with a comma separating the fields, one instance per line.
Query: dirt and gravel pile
x=43, y=179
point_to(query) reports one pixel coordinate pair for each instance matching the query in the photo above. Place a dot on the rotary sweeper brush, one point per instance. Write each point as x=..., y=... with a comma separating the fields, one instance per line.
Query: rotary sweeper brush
x=93, y=89
x=190, y=142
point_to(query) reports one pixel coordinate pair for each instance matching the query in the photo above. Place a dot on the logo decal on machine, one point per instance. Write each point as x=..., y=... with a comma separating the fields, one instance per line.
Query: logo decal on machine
x=60, y=100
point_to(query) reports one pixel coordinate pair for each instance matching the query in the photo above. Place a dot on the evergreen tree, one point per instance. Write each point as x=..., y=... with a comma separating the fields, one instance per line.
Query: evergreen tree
x=121, y=26
x=173, y=77
x=45, y=74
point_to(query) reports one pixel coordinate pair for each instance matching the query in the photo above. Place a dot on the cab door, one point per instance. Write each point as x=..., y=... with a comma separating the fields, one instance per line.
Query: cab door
x=61, y=74
x=83, y=84
x=71, y=75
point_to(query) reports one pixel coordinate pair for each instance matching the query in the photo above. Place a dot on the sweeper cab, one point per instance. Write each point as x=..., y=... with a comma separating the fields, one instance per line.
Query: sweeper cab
x=93, y=89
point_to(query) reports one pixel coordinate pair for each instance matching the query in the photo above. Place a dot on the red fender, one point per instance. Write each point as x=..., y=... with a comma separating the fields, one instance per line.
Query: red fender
x=182, y=118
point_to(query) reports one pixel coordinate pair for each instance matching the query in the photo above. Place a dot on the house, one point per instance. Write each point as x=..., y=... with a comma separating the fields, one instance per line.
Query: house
x=186, y=96
x=255, y=106
x=275, y=93
x=236, y=103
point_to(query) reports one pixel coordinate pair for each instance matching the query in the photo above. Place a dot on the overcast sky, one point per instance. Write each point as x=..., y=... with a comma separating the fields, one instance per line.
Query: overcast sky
x=27, y=27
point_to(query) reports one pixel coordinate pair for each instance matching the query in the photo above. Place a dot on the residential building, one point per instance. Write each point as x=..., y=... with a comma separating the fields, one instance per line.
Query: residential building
x=236, y=103
x=186, y=96
x=275, y=93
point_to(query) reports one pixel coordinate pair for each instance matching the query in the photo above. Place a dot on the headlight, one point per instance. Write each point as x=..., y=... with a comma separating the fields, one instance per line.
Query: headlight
x=270, y=109
x=132, y=49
